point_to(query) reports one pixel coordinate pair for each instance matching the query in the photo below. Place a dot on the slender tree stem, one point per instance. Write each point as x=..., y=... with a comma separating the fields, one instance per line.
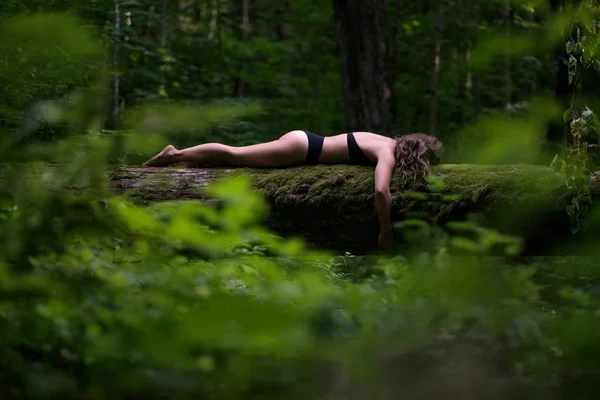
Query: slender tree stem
x=116, y=82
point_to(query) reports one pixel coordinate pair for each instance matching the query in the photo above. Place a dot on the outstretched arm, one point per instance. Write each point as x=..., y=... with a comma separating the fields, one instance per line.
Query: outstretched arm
x=383, y=198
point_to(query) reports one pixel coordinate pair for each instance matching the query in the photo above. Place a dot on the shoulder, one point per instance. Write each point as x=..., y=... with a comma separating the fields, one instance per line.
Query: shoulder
x=385, y=152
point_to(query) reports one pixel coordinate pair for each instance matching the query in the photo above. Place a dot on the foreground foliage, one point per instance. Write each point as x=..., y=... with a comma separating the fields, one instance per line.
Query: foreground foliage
x=179, y=299
x=101, y=297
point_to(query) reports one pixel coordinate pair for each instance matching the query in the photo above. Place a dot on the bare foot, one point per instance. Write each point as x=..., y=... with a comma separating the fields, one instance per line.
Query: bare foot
x=161, y=159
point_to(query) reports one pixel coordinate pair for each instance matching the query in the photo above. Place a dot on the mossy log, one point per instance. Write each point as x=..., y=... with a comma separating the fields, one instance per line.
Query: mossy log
x=332, y=207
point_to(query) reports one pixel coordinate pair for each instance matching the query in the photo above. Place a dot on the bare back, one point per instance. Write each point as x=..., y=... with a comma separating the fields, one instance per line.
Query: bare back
x=335, y=148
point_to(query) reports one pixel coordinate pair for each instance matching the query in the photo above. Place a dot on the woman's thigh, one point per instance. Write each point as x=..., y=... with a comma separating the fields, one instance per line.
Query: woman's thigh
x=290, y=149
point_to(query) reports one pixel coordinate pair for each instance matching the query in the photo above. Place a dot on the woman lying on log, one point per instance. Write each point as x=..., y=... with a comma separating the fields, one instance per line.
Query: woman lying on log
x=414, y=152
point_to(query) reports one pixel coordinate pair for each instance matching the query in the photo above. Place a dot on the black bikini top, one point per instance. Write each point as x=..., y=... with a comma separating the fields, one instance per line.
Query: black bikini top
x=356, y=154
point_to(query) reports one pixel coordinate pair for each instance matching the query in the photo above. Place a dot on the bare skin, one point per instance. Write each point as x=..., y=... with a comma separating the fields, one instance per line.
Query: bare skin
x=291, y=149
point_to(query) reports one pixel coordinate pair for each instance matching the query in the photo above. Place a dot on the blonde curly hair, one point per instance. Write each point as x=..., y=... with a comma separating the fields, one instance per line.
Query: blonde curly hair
x=416, y=152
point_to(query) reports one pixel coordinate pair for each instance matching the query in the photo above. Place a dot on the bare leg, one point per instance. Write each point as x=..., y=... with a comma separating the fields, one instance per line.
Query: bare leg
x=289, y=149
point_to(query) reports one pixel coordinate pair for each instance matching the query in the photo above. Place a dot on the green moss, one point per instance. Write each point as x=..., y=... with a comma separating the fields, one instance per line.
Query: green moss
x=339, y=183
x=316, y=184
x=519, y=190
x=504, y=182
x=332, y=205
x=480, y=187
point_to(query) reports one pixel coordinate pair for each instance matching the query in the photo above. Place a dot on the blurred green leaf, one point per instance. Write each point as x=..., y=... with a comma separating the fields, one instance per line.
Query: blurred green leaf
x=183, y=118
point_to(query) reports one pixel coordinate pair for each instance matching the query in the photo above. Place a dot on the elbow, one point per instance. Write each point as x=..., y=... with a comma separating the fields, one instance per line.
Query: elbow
x=382, y=193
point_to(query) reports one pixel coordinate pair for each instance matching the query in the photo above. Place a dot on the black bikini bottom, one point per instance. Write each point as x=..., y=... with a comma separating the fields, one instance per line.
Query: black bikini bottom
x=315, y=146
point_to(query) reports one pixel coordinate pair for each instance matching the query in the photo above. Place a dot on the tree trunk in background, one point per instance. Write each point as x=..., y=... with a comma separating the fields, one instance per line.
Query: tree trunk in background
x=507, y=64
x=163, y=37
x=116, y=82
x=473, y=80
x=222, y=73
x=395, y=34
x=435, y=74
x=283, y=28
x=164, y=23
x=361, y=35
x=215, y=33
x=556, y=129
x=214, y=21
x=244, y=13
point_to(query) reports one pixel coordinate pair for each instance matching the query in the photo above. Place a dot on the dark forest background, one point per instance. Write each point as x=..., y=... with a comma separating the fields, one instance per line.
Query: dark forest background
x=388, y=66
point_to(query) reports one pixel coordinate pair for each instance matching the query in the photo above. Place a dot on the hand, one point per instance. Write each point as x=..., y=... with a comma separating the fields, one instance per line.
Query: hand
x=386, y=239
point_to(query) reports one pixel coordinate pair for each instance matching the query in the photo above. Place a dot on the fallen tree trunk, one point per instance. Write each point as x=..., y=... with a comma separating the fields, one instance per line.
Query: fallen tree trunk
x=332, y=206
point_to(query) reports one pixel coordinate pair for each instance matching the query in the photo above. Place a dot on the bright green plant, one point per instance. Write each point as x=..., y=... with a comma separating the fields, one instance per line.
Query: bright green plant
x=576, y=163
